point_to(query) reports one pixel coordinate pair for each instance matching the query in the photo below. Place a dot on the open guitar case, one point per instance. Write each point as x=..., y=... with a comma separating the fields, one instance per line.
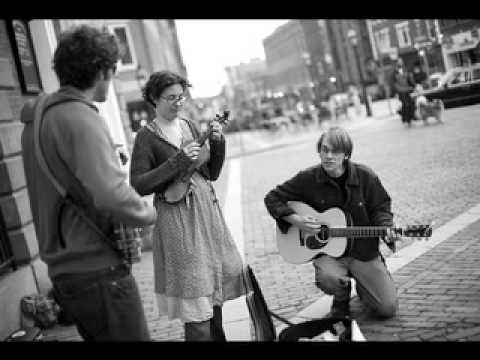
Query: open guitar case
x=264, y=329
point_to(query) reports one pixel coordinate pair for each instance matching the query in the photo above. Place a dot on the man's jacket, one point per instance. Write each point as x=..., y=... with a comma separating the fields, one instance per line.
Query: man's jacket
x=367, y=202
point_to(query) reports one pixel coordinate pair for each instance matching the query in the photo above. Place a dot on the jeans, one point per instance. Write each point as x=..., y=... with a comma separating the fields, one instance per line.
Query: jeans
x=210, y=330
x=105, y=305
x=374, y=283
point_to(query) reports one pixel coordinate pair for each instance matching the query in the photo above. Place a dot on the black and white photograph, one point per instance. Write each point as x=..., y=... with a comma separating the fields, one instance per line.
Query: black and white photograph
x=240, y=180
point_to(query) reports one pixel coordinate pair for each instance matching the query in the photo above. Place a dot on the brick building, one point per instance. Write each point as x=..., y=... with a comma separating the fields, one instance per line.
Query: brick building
x=413, y=40
x=345, y=63
x=286, y=58
x=25, y=51
x=316, y=57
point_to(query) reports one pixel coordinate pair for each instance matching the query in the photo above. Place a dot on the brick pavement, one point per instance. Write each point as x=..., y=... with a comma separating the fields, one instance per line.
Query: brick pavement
x=439, y=295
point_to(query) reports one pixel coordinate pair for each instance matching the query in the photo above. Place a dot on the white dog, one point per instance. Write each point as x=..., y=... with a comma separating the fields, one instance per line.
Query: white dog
x=425, y=109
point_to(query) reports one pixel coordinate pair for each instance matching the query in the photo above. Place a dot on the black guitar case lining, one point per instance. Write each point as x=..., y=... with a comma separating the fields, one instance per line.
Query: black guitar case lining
x=261, y=317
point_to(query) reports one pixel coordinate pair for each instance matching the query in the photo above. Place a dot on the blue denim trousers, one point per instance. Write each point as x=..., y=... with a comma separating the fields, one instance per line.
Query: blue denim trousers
x=105, y=305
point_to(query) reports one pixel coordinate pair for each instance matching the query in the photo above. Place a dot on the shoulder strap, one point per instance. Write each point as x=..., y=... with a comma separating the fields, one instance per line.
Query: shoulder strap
x=37, y=123
x=38, y=117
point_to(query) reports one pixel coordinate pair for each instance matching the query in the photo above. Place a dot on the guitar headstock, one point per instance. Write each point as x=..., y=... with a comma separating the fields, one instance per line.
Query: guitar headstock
x=417, y=231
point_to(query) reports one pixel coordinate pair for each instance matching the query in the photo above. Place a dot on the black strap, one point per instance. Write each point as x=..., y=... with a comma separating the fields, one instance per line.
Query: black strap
x=278, y=317
x=40, y=109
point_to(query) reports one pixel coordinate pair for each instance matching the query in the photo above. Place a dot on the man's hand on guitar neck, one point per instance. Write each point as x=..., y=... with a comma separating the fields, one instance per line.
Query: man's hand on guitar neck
x=391, y=238
x=306, y=223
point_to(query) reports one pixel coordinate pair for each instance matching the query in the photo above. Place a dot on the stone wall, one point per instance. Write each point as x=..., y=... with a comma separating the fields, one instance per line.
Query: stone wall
x=30, y=274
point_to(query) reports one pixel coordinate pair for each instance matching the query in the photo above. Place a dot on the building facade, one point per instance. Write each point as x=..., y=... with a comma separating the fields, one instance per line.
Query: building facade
x=460, y=38
x=26, y=49
x=412, y=40
x=287, y=59
x=247, y=82
x=316, y=56
x=346, y=64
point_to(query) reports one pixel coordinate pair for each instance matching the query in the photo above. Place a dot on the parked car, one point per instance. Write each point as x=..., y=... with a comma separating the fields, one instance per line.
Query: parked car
x=457, y=87
x=434, y=78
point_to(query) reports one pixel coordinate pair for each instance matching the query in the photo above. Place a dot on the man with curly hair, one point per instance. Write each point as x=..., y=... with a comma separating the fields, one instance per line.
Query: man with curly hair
x=90, y=282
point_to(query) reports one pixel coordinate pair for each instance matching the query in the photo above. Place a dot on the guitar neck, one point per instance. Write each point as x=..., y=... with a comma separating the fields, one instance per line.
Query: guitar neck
x=359, y=231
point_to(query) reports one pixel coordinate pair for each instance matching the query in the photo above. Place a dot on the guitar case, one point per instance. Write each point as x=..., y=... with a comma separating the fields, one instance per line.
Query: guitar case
x=264, y=329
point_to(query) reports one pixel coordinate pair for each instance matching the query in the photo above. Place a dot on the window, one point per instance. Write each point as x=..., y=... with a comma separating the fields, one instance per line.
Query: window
x=476, y=73
x=403, y=34
x=383, y=40
x=128, y=59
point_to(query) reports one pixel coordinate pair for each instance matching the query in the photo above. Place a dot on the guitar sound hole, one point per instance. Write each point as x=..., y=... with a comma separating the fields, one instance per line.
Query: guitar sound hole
x=312, y=242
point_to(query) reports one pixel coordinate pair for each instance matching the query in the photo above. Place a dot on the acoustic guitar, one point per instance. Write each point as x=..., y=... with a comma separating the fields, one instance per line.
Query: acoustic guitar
x=179, y=188
x=297, y=246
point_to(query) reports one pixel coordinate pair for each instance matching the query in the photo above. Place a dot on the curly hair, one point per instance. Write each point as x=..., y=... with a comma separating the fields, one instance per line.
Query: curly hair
x=81, y=53
x=158, y=82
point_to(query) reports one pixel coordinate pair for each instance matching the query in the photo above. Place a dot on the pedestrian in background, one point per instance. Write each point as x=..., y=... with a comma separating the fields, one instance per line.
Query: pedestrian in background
x=197, y=266
x=419, y=76
x=91, y=284
x=403, y=84
x=356, y=189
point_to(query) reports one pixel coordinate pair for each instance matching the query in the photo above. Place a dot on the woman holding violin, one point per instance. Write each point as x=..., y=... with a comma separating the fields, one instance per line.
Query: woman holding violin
x=197, y=266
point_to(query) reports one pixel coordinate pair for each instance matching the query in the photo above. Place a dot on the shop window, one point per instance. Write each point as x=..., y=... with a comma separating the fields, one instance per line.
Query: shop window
x=128, y=58
x=6, y=255
x=383, y=40
x=403, y=34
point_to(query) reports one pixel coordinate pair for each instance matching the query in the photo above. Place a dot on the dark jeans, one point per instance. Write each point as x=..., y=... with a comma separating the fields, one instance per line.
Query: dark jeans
x=408, y=107
x=105, y=305
x=210, y=330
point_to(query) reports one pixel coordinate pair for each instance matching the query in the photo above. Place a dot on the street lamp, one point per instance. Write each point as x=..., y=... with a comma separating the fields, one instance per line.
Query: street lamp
x=352, y=35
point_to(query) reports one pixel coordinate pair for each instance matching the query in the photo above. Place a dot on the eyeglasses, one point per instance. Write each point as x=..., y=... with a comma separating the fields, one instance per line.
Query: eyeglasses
x=172, y=99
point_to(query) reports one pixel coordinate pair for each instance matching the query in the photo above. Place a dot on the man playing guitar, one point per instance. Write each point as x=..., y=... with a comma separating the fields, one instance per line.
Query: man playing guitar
x=356, y=189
